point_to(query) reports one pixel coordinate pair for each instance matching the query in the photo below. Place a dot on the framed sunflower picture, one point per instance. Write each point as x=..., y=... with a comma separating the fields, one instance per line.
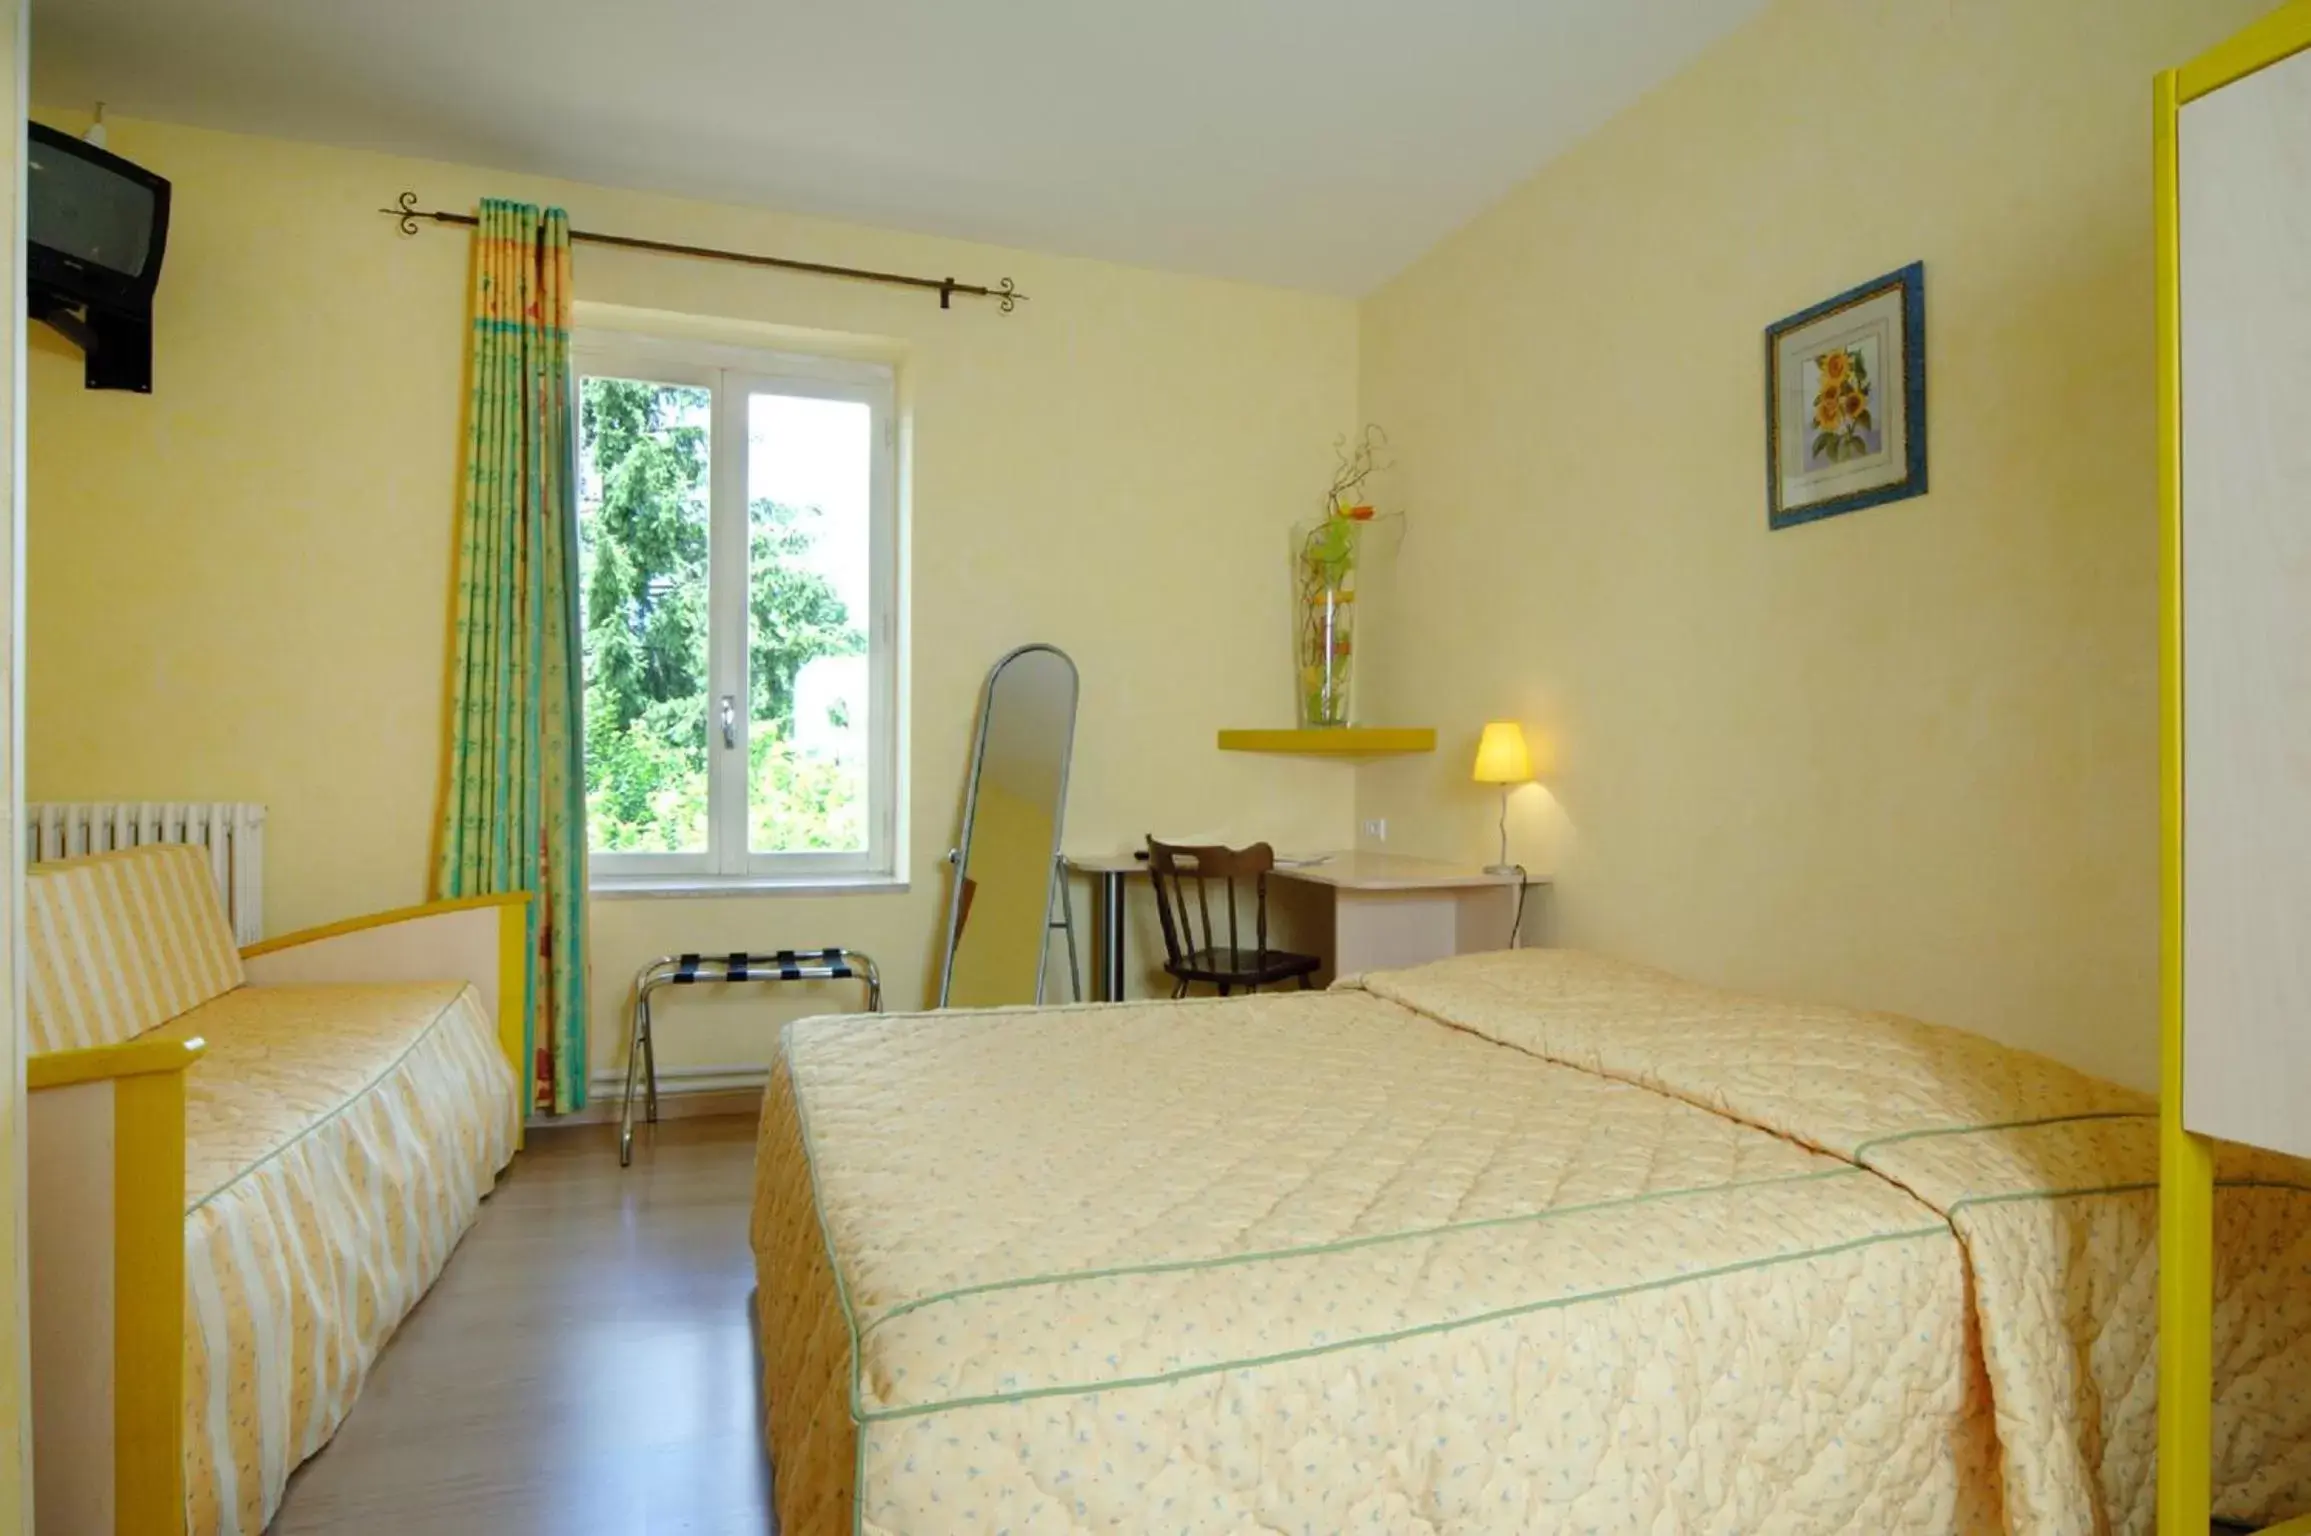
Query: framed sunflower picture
x=1845, y=401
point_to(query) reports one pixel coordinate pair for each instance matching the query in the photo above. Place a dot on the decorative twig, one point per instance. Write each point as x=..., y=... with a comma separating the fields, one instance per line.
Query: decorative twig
x=1358, y=462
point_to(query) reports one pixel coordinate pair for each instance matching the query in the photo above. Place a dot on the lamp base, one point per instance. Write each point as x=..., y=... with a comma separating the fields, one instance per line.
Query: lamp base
x=1503, y=869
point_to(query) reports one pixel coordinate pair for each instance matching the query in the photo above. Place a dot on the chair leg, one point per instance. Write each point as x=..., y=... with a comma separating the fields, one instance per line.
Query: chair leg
x=1223, y=989
x=1179, y=990
x=1305, y=981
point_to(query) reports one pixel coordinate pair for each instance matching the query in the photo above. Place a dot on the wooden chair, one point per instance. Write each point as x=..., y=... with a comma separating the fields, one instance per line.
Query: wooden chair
x=1174, y=869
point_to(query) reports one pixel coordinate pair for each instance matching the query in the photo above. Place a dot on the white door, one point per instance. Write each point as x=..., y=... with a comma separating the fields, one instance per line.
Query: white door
x=2245, y=187
x=15, y=1370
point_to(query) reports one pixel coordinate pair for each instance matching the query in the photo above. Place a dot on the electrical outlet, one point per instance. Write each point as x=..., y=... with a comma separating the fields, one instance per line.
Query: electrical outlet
x=1376, y=830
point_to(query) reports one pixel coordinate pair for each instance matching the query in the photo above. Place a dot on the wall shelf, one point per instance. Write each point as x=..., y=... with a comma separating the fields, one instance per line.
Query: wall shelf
x=1337, y=741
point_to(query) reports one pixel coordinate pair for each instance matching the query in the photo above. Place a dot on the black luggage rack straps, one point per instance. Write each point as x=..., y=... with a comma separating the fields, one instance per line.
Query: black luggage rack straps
x=697, y=968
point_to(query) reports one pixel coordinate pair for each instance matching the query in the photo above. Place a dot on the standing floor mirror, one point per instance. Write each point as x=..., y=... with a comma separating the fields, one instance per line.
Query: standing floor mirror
x=1007, y=859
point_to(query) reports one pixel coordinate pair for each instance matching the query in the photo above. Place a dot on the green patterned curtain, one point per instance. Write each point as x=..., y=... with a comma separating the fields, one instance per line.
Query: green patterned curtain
x=513, y=812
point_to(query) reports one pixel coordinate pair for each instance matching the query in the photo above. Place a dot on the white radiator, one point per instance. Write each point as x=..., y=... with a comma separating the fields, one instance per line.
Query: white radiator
x=233, y=834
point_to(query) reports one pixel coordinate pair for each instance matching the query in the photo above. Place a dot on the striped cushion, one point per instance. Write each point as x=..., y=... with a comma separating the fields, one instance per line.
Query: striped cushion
x=121, y=943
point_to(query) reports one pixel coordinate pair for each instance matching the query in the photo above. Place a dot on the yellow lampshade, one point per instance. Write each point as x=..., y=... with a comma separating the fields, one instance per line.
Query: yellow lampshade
x=1501, y=757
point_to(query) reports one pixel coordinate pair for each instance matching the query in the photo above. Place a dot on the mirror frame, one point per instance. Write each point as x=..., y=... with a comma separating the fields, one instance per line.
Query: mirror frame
x=959, y=857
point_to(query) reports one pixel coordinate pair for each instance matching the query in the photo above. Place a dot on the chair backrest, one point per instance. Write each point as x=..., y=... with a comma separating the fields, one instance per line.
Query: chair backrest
x=120, y=943
x=1177, y=869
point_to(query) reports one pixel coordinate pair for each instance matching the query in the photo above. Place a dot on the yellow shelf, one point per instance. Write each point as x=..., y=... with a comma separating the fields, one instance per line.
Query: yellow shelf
x=1338, y=741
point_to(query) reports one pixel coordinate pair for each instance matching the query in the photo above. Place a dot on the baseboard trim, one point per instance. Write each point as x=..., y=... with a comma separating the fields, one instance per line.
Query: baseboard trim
x=688, y=1093
x=612, y=1084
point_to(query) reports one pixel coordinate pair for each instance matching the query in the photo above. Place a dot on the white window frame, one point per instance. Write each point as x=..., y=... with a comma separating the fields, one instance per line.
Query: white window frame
x=734, y=374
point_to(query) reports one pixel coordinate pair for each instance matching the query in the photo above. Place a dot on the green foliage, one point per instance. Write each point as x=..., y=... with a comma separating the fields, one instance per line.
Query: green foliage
x=793, y=616
x=644, y=572
x=801, y=802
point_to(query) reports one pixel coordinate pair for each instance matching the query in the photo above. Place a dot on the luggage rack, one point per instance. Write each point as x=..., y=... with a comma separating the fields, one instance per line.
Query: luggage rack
x=719, y=970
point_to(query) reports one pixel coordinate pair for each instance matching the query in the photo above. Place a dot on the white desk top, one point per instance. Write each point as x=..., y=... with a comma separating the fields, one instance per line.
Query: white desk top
x=1391, y=872
x=1351, y=871
x=1106, y=863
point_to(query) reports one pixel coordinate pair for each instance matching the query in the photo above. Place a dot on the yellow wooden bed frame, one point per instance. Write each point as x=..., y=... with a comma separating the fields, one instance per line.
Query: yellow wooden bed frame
x=106, y=1187
x=2186, y=1161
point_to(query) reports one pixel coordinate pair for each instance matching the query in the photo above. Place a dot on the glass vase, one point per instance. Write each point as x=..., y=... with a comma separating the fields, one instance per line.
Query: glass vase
x=1324, y=561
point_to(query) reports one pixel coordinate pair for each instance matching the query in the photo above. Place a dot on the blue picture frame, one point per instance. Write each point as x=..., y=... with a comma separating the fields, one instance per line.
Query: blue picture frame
x=1909, y=283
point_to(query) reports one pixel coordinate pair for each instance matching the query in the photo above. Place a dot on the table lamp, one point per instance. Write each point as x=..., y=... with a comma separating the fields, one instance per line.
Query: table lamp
x=1501, y=759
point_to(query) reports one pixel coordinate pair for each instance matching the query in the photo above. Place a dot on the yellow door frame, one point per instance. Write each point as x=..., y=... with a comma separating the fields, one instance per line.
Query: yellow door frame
x=2187, y=1161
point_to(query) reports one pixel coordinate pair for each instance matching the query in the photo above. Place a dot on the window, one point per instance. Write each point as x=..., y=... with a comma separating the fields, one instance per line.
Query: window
x=737, y=566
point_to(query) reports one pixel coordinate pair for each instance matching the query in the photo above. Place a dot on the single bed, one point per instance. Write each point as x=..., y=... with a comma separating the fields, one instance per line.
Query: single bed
x=339, y=1141
x=1523, y=1242
x=243, y=1168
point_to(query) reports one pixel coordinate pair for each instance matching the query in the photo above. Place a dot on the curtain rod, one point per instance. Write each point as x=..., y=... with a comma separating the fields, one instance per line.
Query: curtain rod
x=1006, y=297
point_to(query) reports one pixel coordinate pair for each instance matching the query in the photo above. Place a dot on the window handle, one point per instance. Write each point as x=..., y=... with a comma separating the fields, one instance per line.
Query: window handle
x=729, y=721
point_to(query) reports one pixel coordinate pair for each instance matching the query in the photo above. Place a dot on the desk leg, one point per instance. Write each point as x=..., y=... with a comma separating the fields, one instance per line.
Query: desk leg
x=1107, y=887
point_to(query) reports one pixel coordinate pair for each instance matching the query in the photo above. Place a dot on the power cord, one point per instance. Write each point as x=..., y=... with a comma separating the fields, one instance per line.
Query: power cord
x=1517, y=923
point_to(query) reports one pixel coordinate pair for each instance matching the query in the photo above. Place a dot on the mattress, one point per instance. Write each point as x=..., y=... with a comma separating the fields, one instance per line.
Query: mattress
x=1520, y=1243
x=339, y=1140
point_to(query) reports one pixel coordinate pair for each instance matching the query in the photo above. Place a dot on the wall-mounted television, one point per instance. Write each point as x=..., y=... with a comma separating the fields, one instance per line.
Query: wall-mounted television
x=96, y=227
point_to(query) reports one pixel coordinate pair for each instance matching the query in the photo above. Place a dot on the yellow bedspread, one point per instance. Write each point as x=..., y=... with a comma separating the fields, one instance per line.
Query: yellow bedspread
x=1315, y=1263
x=1518, y=1244
x=2050, y=1178
x=339, y=1140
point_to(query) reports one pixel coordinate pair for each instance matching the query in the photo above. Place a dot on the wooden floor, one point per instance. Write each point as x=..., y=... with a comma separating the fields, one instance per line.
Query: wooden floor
x=586, y=1364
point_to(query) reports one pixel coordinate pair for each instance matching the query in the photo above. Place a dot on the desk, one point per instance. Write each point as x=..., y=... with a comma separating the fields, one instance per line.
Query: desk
x=1388, y=909
x=1108, y=872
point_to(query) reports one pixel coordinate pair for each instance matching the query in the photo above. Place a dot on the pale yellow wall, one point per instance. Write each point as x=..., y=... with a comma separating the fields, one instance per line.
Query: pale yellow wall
x=1904, y=758
x=15, y=1424
x=238, y=584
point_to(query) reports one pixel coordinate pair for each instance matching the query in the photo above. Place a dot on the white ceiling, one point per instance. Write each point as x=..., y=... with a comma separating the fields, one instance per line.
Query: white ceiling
x=1319, y=144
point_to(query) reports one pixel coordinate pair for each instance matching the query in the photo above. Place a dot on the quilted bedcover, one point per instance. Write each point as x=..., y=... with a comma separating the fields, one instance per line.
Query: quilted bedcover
x=1527, y=1242
x=339, y=1141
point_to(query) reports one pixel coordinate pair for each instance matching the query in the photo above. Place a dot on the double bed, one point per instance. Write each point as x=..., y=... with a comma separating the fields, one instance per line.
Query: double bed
x=1532, y=1241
